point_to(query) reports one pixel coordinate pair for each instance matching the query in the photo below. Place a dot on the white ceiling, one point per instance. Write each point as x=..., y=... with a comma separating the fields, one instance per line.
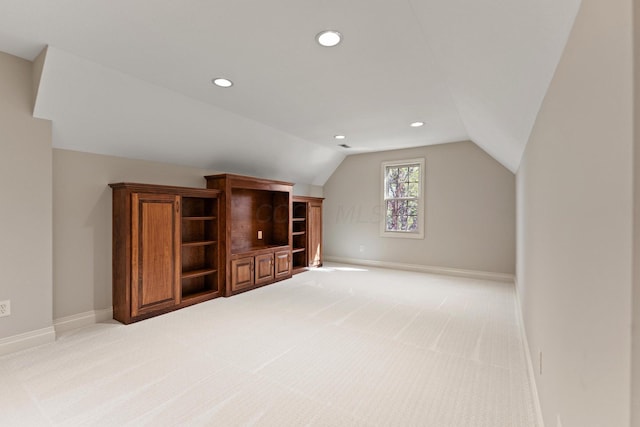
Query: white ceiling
x=133, y=78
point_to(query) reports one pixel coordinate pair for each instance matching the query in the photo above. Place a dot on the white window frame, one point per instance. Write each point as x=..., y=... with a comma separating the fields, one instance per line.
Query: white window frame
x=419, y=234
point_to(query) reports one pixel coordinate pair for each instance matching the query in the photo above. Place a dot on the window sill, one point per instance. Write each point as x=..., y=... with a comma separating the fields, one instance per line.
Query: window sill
x=401, y=235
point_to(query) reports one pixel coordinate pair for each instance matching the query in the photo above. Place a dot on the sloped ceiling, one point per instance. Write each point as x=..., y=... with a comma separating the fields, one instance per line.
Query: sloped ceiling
x=133, y=79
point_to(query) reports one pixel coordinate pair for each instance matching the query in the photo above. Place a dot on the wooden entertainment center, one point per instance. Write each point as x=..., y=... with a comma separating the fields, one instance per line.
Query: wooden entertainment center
x=256, y=222
x=178, y=246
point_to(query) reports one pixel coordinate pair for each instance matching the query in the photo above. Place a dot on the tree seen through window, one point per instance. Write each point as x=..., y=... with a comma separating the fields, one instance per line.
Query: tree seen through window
x=402, y=196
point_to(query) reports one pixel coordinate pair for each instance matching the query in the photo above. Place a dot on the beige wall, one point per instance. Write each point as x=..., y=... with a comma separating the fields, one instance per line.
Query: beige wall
x=635, y=354
x=307, y=190
x=82, y=221
x=25, y=211
x=574, y=225
x=470, y=211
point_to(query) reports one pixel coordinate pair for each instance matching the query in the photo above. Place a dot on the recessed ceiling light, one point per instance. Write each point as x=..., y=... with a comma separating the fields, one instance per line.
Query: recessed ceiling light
x=329, y=38
x=417, y=124
x=339, y=137
x=222, y=82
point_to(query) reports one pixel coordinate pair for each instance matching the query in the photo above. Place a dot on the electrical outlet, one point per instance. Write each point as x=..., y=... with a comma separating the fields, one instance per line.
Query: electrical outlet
x=259, y=234
x=361, y=248
x=5, y=308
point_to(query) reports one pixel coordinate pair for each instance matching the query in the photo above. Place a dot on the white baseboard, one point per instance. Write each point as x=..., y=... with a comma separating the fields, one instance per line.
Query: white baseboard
x=27, y=340
x=532, y=374
x=47, y=335
x=68, y=323
x=470, y=274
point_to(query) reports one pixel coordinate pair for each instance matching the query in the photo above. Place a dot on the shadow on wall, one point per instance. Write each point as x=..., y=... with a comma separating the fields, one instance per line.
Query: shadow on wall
x=99, y=221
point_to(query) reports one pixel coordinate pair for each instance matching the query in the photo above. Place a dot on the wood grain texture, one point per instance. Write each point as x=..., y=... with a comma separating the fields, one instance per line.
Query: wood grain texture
x=251, y=205
x=155, y=258
x=299, y=234
x=242, y=273
x=314, y=236
x=282, y=264
x=165, y=253
x=307, y=232
x=121, y=248
x=264, y=269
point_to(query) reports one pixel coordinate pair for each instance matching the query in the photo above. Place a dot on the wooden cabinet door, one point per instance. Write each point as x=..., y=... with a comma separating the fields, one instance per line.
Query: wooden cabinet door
x=283, y=264
x=155, y=252
x=241, y=273
x=264, y=269
x=314, y=235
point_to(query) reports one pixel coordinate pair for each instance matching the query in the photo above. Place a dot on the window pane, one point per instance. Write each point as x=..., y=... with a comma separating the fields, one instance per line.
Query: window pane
x=413, y=189
x=402, y=202
x=414, y=174
x=412, y=208
x=391, y=207
x=392, y=190
x=391, y=217
x=392, y=174
x=403, y=174
x=401, y=190
x=401, y=215
x=391, y=225
x=391, y=182
x=412, y=223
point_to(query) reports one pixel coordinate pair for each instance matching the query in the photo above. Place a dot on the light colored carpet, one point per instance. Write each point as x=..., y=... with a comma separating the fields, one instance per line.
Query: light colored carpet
x=337, y=346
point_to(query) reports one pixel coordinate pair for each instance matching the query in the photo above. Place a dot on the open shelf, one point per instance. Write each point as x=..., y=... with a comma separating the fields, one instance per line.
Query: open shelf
x=202, y=207
x=197, y=273
x=198, y=218
x=306, y=232
x=199, y=243
x=299, y=232
x=199, y=277
x=199, y=295
x=299, y=258
x=199, y=231
x=258, y=212
x=203, y=284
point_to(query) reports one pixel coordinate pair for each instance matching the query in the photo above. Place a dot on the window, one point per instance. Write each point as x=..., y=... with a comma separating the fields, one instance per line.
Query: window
x=402, y=200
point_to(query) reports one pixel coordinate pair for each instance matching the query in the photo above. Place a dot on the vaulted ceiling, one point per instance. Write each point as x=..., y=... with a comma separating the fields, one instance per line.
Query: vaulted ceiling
x=133, y=78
